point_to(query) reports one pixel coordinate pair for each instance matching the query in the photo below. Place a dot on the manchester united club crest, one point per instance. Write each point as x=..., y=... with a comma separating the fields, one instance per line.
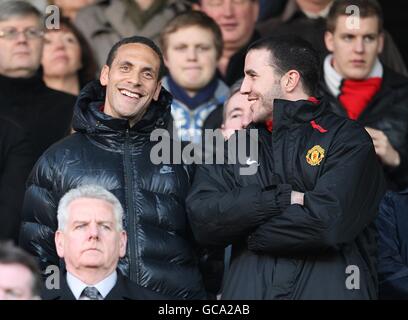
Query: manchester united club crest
x=315, y=155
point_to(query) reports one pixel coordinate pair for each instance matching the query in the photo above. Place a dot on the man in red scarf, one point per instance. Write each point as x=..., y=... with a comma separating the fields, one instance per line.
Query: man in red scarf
x=362, y=88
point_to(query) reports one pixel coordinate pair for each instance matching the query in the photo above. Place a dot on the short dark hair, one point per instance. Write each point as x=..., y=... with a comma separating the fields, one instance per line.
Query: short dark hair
x=292, y=53
x=89, y=66
x=367, y=8
x=10, y=254
x=136, y=39
x=189, y=19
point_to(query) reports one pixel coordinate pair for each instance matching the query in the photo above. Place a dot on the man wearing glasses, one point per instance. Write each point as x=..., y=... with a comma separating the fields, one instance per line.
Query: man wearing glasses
x=44, y=114
x=237, y=19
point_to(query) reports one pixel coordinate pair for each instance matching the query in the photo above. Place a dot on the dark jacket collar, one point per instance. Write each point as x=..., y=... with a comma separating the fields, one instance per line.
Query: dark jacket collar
x=109, y=131
x=287, y=113
x=120, y=291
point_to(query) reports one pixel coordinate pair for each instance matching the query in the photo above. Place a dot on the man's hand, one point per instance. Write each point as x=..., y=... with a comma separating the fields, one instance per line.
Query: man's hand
x=297, y=197
x=388, y=155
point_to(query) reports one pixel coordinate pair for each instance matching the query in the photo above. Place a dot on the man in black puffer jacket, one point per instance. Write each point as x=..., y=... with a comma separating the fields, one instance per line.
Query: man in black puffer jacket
x=111, y=148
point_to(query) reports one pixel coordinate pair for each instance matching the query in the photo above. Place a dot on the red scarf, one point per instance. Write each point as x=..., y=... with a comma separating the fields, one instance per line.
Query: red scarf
x=356, y=94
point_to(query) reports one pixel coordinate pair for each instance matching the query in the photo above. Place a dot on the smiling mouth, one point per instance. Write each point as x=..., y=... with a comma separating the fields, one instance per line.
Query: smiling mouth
x=130, y=94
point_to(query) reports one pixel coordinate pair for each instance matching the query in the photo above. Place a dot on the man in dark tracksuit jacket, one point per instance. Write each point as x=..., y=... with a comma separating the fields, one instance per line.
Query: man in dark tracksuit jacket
x=302, y=226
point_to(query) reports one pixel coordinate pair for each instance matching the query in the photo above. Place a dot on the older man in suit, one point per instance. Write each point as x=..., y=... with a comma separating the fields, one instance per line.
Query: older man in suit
x=90, y=238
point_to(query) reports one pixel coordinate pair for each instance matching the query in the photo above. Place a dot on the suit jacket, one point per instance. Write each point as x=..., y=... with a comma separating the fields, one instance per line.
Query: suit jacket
x=124, y=289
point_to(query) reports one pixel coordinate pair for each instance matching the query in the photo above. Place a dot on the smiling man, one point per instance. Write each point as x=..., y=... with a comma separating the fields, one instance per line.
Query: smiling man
x=362, y=88
x=297, y=223
x=113, y=120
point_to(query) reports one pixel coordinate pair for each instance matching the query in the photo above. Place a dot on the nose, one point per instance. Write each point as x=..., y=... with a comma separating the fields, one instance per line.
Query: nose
x=245, y=86
x=227, y=8
x=192, y=54
x=134, y=79
x=93, y=231
x=359, y=45
x=21, y=37
x=60, y=44
x=246, y=118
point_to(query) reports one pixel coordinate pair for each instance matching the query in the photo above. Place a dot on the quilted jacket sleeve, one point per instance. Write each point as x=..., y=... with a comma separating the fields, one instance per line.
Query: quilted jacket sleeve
x=221, y=212
x=40, y=215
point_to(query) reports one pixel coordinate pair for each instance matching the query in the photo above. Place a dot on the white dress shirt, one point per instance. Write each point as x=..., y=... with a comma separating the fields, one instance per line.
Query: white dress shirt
x=104, y=286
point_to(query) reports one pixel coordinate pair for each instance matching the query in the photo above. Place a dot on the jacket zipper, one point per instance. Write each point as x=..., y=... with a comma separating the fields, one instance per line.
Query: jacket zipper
x=132, y=216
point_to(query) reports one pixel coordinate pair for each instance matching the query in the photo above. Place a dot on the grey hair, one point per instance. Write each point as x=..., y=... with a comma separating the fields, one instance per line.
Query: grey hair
x=93, y=192
x=10, y=9
x=233, y=90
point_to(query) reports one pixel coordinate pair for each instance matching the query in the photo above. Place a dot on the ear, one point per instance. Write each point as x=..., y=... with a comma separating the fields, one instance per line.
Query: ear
x=329, y=41
x=255, y=11
x=380, y=42
x=104, y=77
x=157, y=92
x=290, y=81
x=122, y=243
x=59, y=243
x=165, y=59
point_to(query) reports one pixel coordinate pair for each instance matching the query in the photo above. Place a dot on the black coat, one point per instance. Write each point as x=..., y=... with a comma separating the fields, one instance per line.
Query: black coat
x=124, y=289
x=105, y=151
x=283, y=251
x=16, y=161
x=45, y=114
x=392, y=223
x=388, y=112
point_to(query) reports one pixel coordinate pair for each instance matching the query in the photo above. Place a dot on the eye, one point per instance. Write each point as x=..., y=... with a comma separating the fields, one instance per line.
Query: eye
x=180, y=47
x=204, y=48
x=148, y=75
x=236, y=114
x=79, y=226
x=12, y=293
x=106, y=227
x=71, y=39
x=124, y=68
x=369, y=38
x=348, y=37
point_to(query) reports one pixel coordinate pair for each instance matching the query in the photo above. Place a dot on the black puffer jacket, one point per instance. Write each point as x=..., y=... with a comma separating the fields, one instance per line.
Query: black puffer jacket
x=388, y=112
x=283, y=251
x=105, y=151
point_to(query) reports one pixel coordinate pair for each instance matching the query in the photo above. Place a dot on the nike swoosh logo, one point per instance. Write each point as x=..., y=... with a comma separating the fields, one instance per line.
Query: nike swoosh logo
x=250, y=162
x=166, y=169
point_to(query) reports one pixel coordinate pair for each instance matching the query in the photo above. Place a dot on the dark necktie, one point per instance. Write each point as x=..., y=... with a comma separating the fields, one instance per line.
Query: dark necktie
x=91, y=293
